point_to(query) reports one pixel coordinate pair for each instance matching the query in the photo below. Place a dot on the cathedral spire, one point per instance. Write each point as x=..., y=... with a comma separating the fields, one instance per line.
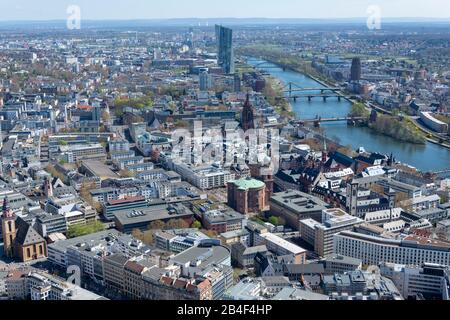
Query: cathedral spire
x=48, y=189
x=248, y=118
x=6, y=210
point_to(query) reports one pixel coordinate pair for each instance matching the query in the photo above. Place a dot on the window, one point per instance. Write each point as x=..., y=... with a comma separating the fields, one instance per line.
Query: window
x=28, y=253
x=10, y=226
x=41, y=251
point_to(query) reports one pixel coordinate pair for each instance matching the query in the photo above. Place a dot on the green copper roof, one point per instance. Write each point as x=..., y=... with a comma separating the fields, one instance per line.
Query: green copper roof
x=245, y=184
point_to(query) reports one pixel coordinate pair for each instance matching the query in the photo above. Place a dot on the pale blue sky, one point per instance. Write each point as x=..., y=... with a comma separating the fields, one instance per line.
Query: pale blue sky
x=164, y=9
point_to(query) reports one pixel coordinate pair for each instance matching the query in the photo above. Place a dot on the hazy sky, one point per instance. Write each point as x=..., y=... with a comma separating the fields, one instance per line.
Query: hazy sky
x=163, y=9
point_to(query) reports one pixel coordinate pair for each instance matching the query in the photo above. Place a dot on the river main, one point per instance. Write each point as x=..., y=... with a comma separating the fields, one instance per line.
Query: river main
x=428, y=157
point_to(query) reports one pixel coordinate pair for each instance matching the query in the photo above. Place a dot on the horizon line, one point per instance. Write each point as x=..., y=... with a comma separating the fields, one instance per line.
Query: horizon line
x=226, y=18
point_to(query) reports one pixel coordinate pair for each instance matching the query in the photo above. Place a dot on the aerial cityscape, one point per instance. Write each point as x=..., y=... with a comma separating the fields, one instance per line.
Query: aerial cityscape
x=192, y=155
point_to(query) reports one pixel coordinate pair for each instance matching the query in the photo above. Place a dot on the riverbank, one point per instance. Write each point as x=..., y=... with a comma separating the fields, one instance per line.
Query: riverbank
x=355, y=137
x=401, y=129
x=387, y=125
x=274, y=90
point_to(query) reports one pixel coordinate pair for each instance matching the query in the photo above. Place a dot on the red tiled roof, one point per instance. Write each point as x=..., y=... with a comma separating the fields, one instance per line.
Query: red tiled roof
x=167, y=281
x=190, y=287
x=180, y=284
x=134, y=267
x=204, y=284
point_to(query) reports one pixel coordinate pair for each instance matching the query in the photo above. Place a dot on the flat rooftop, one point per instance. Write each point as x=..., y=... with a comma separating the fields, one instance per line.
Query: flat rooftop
x=289, y=246
x=147, y=215
x=100, y=169
x=298, y=202
x=217, y=216
x=205, y=256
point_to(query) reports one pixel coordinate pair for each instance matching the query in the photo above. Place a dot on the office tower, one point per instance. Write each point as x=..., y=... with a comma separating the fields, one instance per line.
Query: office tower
x=157, y=54
x=205, y=81
x=248, y=117
x=97, y=113
x=237, y=83
x=355, y=72
x=224, y=37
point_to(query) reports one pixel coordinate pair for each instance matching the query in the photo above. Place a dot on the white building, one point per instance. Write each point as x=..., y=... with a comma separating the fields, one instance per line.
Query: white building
x=205, y=177
x=430, y=281
x=281, y=246
x=320, y=235
x=412, y=250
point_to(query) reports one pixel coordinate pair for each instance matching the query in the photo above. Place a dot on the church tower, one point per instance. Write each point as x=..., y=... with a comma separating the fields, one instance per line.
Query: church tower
x=248, y=117
x=48, y=189
x=9, y=230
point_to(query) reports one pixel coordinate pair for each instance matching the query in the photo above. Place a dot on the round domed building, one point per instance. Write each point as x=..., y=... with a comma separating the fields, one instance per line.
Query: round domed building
x=247, y=196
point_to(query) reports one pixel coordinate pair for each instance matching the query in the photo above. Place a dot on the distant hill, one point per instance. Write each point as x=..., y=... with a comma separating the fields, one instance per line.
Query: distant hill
x=212, y=21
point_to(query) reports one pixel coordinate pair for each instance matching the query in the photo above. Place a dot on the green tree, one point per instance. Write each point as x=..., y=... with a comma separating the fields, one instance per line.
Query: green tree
x=138, y=234
x=148, y=237
x=177, y=224
x=274, y=220
x=157, y=225
x=359, y=110
x=196, y=225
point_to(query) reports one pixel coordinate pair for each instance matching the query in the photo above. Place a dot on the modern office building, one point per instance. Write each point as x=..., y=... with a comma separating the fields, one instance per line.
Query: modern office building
x=180, y=240
x=205, y=81
x=38, y=285
x=244, y=256
x=197, y=260
x=429, y=281
x=130, y=203
x=224, y=37
x=74, y=153
x=128, y=220
x=204, y=177
x=355, y=72
x=281, y=247
x=333, y=222
x=372, y=250
x=222, y=221
x=340, y=264
x=294, y=206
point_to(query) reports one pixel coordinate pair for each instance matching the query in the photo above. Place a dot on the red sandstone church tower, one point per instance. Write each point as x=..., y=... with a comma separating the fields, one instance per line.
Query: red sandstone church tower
x=248, y=116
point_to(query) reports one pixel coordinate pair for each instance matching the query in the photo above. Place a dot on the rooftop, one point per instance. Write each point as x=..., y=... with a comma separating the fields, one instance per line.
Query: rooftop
x=289, y=246
x=298, y=202
x=202, y=257
x=147, y=215
x=217, y=216
x=248, y=183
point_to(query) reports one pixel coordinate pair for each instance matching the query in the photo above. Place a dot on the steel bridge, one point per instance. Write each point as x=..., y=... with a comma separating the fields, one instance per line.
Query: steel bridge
x=443, y=171
x=268, y=65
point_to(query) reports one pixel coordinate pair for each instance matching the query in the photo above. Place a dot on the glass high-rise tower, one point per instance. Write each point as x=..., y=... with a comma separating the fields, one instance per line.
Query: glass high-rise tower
x=225, y=56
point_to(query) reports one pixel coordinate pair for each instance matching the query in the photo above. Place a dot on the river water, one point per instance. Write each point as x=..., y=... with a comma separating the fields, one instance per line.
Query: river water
x=429, y=157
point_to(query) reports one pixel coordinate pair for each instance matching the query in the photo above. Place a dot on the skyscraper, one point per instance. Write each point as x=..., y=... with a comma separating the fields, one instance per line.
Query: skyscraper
x=237, y=83
x=224, y=37
x=205, y=81
x=355, y=72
